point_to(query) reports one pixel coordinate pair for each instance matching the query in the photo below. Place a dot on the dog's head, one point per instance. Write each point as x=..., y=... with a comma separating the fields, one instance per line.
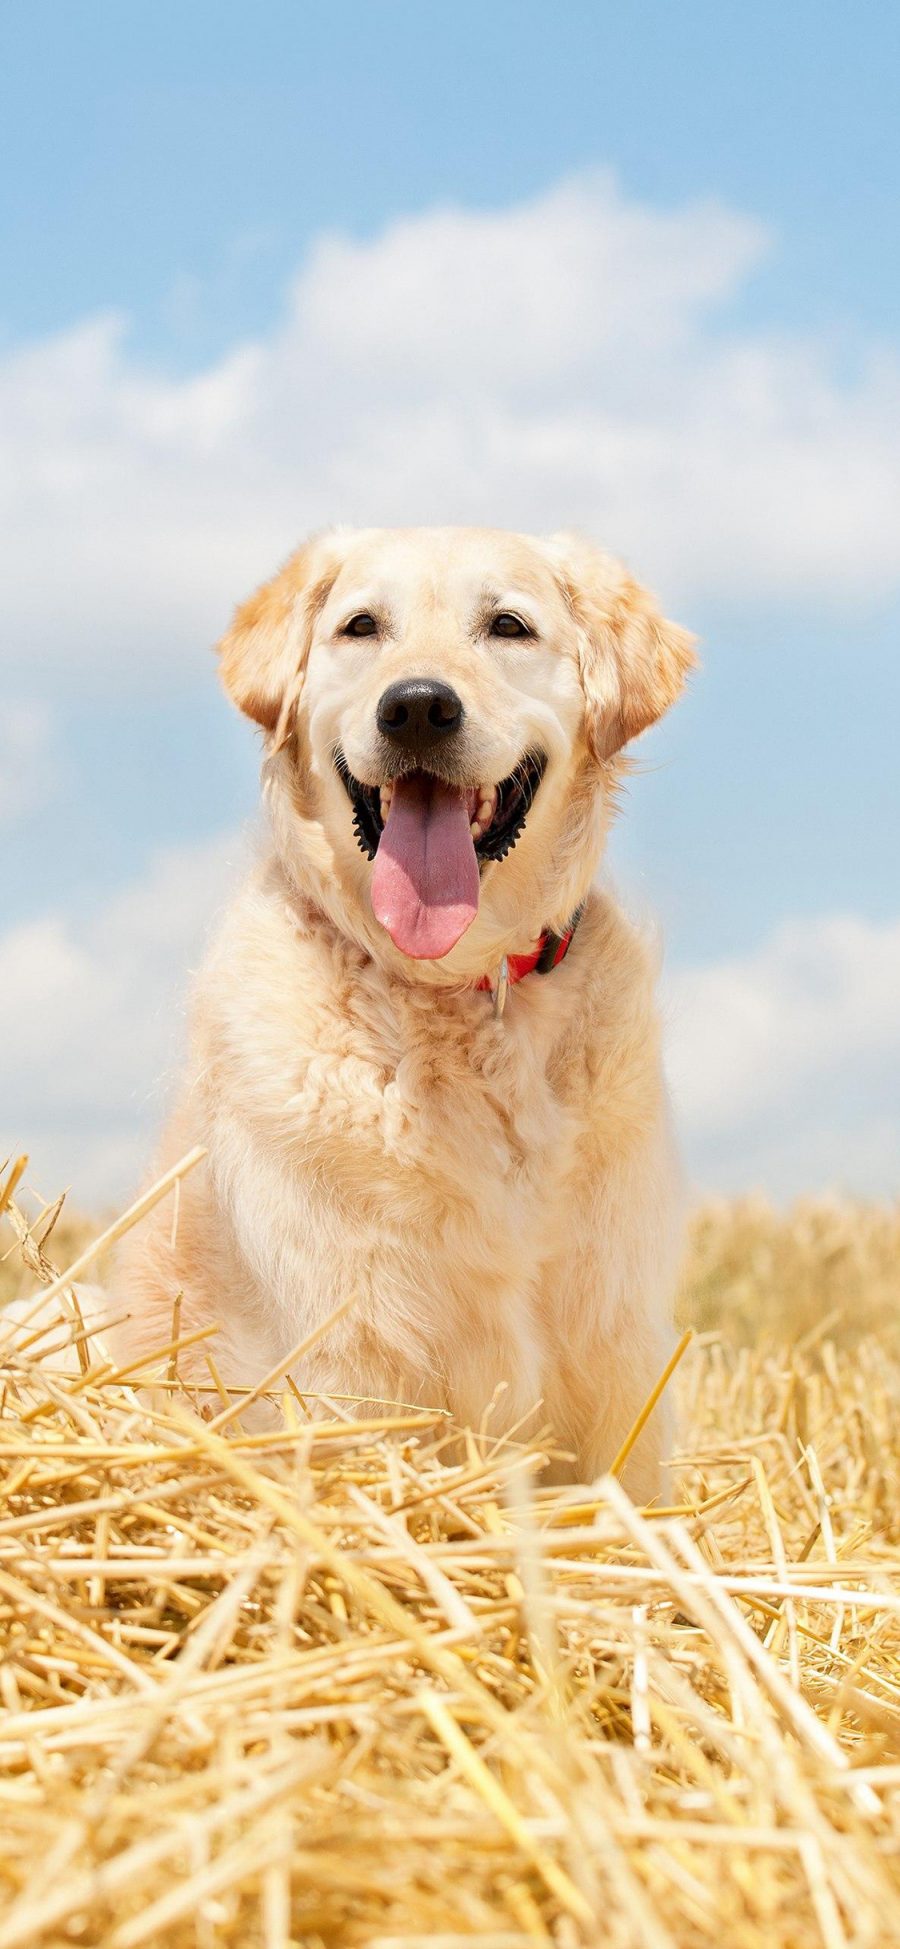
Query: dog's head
x=446, y=712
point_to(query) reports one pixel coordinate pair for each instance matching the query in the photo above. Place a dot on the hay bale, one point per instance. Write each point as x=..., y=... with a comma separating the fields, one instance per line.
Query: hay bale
x=318, y=1686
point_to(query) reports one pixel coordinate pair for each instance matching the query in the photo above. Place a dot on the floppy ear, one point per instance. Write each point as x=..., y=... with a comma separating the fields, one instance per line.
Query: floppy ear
x=633, y=662
x=262, y=657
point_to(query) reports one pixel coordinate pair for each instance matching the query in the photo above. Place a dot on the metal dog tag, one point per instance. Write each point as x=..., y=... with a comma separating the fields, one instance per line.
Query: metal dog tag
x=501, y=989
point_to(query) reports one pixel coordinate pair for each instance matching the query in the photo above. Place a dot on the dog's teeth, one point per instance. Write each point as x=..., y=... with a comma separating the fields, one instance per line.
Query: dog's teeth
x=387, y=793
x=475, y=829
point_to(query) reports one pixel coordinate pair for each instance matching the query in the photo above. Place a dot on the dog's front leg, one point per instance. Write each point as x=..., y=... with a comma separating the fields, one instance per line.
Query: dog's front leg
x=643, y=1472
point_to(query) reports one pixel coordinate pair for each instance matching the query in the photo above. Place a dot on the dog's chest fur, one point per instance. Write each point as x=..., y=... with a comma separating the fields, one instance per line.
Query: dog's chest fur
x=427, y=1152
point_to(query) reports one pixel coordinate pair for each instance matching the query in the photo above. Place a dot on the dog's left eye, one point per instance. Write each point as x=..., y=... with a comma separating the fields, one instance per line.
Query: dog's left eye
x=508, y=625
x=362, y=625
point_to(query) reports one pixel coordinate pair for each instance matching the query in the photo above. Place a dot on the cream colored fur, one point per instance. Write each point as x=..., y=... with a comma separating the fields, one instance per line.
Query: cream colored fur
x=500, y=1196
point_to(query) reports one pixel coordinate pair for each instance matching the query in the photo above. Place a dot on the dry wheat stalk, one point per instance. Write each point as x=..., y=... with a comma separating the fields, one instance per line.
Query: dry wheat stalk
x=315, y=1686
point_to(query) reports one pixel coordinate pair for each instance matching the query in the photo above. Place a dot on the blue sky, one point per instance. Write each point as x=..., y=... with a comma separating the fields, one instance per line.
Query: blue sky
x=632, y=268
x=209, y=143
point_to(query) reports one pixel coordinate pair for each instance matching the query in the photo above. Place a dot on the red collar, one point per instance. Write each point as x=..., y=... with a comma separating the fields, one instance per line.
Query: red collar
x=551, y=949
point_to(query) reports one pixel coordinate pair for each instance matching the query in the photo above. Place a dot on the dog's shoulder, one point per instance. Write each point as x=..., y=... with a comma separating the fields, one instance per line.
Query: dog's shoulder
x=621, y=957
x=609, y=1047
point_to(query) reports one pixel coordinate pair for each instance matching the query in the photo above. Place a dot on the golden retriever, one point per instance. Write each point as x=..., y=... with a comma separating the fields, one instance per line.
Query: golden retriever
x=445, y=713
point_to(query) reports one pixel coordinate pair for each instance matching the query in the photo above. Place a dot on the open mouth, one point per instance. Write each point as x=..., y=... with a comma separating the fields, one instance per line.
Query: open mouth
x=430, y=841
x=497, y=813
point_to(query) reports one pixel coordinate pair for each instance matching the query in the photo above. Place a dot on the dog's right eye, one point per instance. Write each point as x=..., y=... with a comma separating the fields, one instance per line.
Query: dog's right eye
x=362, y=625
x=506, y=624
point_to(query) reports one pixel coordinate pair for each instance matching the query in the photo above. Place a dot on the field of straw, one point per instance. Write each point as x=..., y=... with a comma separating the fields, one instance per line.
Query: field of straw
x=319, y=1687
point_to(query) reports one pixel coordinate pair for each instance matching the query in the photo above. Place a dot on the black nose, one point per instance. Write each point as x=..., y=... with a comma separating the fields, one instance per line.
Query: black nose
x=417, y=711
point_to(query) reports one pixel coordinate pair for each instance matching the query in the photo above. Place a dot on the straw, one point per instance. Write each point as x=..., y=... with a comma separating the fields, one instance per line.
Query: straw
x=320, y=1687
x=129, y=1218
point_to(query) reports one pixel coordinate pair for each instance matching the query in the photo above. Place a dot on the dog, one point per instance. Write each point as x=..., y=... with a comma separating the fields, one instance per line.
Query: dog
x=425, y=1058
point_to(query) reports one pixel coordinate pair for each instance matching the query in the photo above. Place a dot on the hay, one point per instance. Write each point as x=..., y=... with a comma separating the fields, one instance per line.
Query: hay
x=768, y=1275
x=320, y=1686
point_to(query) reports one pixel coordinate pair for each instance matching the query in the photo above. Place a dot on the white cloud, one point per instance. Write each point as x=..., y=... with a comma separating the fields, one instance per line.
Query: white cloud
x=567, y=360
x=98, y=1008
x=785, y=1064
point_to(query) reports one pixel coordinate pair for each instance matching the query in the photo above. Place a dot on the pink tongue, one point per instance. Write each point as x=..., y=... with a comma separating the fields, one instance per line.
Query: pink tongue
x=425, y=878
